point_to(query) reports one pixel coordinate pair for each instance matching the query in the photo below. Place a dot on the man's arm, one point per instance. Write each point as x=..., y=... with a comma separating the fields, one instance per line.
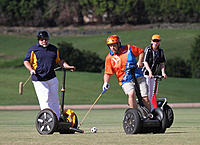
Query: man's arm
x=146, y=61
x=106, y=78
x=141, y=57
x=29, y=67
x=64, y=64
x=162, y=67
x=162, y=64
x=106, y=81
x=148, y=69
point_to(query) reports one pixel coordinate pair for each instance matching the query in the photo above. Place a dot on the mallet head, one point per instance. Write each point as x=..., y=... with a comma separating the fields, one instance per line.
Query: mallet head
x=21, y=88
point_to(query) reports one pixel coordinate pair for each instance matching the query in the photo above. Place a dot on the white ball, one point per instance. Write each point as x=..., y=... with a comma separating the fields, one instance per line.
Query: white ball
x=94, y=130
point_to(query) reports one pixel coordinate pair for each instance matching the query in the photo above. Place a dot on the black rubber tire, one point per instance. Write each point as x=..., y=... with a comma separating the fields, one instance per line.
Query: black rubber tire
x=68, y=131
x=131, y=121
x=170, y=115
x=160, y=115
x=46, y=122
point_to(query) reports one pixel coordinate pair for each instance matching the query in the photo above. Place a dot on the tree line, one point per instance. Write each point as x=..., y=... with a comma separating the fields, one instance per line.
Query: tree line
x=52, y=13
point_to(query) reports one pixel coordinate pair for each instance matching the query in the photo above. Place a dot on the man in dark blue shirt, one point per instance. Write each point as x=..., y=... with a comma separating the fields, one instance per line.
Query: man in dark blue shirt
x=41, y=60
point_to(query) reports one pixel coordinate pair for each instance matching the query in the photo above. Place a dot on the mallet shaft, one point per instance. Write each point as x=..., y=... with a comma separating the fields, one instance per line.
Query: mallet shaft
x=27, y=80
x=91, y=107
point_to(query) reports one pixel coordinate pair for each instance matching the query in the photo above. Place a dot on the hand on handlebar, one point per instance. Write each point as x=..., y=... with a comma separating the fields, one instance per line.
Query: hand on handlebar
x=164, y=76
x=130, y=68
x=151, y=75
x=72, y=68
x=139, y=64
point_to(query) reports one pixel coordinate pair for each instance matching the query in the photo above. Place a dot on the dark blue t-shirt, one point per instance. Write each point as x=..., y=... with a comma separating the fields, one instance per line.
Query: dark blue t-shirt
x=43, y=60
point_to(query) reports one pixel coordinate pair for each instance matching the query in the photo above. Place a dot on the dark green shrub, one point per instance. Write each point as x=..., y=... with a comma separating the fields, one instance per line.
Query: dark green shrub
x=12, y=63
x=82, y=60
x=177, y=67
x=195, y=58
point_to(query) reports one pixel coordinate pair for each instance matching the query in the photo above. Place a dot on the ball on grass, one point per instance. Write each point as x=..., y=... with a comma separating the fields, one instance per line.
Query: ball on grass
x=94, y=130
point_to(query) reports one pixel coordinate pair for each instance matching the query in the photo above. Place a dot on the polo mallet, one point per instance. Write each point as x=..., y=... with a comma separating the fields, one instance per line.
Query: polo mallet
x=92, y=107
x=22, y=85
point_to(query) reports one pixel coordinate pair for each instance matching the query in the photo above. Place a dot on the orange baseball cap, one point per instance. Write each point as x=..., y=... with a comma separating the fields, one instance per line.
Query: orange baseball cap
x=156, y=36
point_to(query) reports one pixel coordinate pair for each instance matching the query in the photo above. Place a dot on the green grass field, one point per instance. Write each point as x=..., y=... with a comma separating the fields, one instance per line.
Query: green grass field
x=84, y=88
x=174, y=42
x=18, y=128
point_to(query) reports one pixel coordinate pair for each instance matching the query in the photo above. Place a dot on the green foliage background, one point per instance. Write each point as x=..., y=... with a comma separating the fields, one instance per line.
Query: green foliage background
x=86, y=61
x=195, y=58
x=67, y=12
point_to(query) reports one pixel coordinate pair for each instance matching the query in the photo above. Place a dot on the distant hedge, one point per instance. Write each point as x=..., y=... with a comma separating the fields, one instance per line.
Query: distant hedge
x=79, y=12
x=82, y=60
x=178, y=67
x=195, y=58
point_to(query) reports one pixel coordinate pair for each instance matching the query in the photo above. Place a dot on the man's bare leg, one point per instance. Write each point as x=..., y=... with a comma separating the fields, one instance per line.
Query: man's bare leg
x=146, y=102
x=132, y=100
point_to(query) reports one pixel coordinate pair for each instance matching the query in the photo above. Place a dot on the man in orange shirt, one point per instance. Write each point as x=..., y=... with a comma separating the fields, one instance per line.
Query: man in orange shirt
x=119, y=58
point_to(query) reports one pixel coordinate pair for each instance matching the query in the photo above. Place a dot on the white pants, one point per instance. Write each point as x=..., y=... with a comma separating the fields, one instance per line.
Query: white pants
x=151, y=87
x=47, y=93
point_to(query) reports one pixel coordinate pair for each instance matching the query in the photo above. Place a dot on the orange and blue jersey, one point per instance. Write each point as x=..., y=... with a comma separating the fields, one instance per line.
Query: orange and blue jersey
x=43, y=60
x=117, y=63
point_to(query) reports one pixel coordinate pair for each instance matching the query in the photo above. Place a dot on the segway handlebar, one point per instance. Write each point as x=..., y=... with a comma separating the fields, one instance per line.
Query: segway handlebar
x=159, y=77
x=130, y=68
x=137, y=87
x=59, y=68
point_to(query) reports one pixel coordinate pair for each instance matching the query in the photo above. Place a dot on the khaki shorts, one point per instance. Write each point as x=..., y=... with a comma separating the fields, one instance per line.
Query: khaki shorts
x=128, y=87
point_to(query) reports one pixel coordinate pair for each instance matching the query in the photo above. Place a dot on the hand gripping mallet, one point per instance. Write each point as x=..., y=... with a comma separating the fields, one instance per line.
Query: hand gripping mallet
x=92, y=107
x=21, y=85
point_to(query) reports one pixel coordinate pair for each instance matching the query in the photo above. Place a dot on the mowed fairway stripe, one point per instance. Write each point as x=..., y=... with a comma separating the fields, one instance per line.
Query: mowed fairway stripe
x=18, y=128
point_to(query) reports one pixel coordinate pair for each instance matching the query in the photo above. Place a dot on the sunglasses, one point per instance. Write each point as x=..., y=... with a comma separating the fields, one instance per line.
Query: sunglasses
x=156, y=40
x=46, y=39
x=114, y=44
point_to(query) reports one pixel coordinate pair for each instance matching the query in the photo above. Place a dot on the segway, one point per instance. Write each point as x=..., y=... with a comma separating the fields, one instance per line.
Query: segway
x=141, y=120
x=162, y=103
x=47, y=122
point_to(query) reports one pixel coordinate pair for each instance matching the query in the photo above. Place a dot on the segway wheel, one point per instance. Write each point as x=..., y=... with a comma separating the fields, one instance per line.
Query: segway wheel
x=73, y=119
x=131, y=121
x=160, y=115
x=169, y=115
x=46, y=122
